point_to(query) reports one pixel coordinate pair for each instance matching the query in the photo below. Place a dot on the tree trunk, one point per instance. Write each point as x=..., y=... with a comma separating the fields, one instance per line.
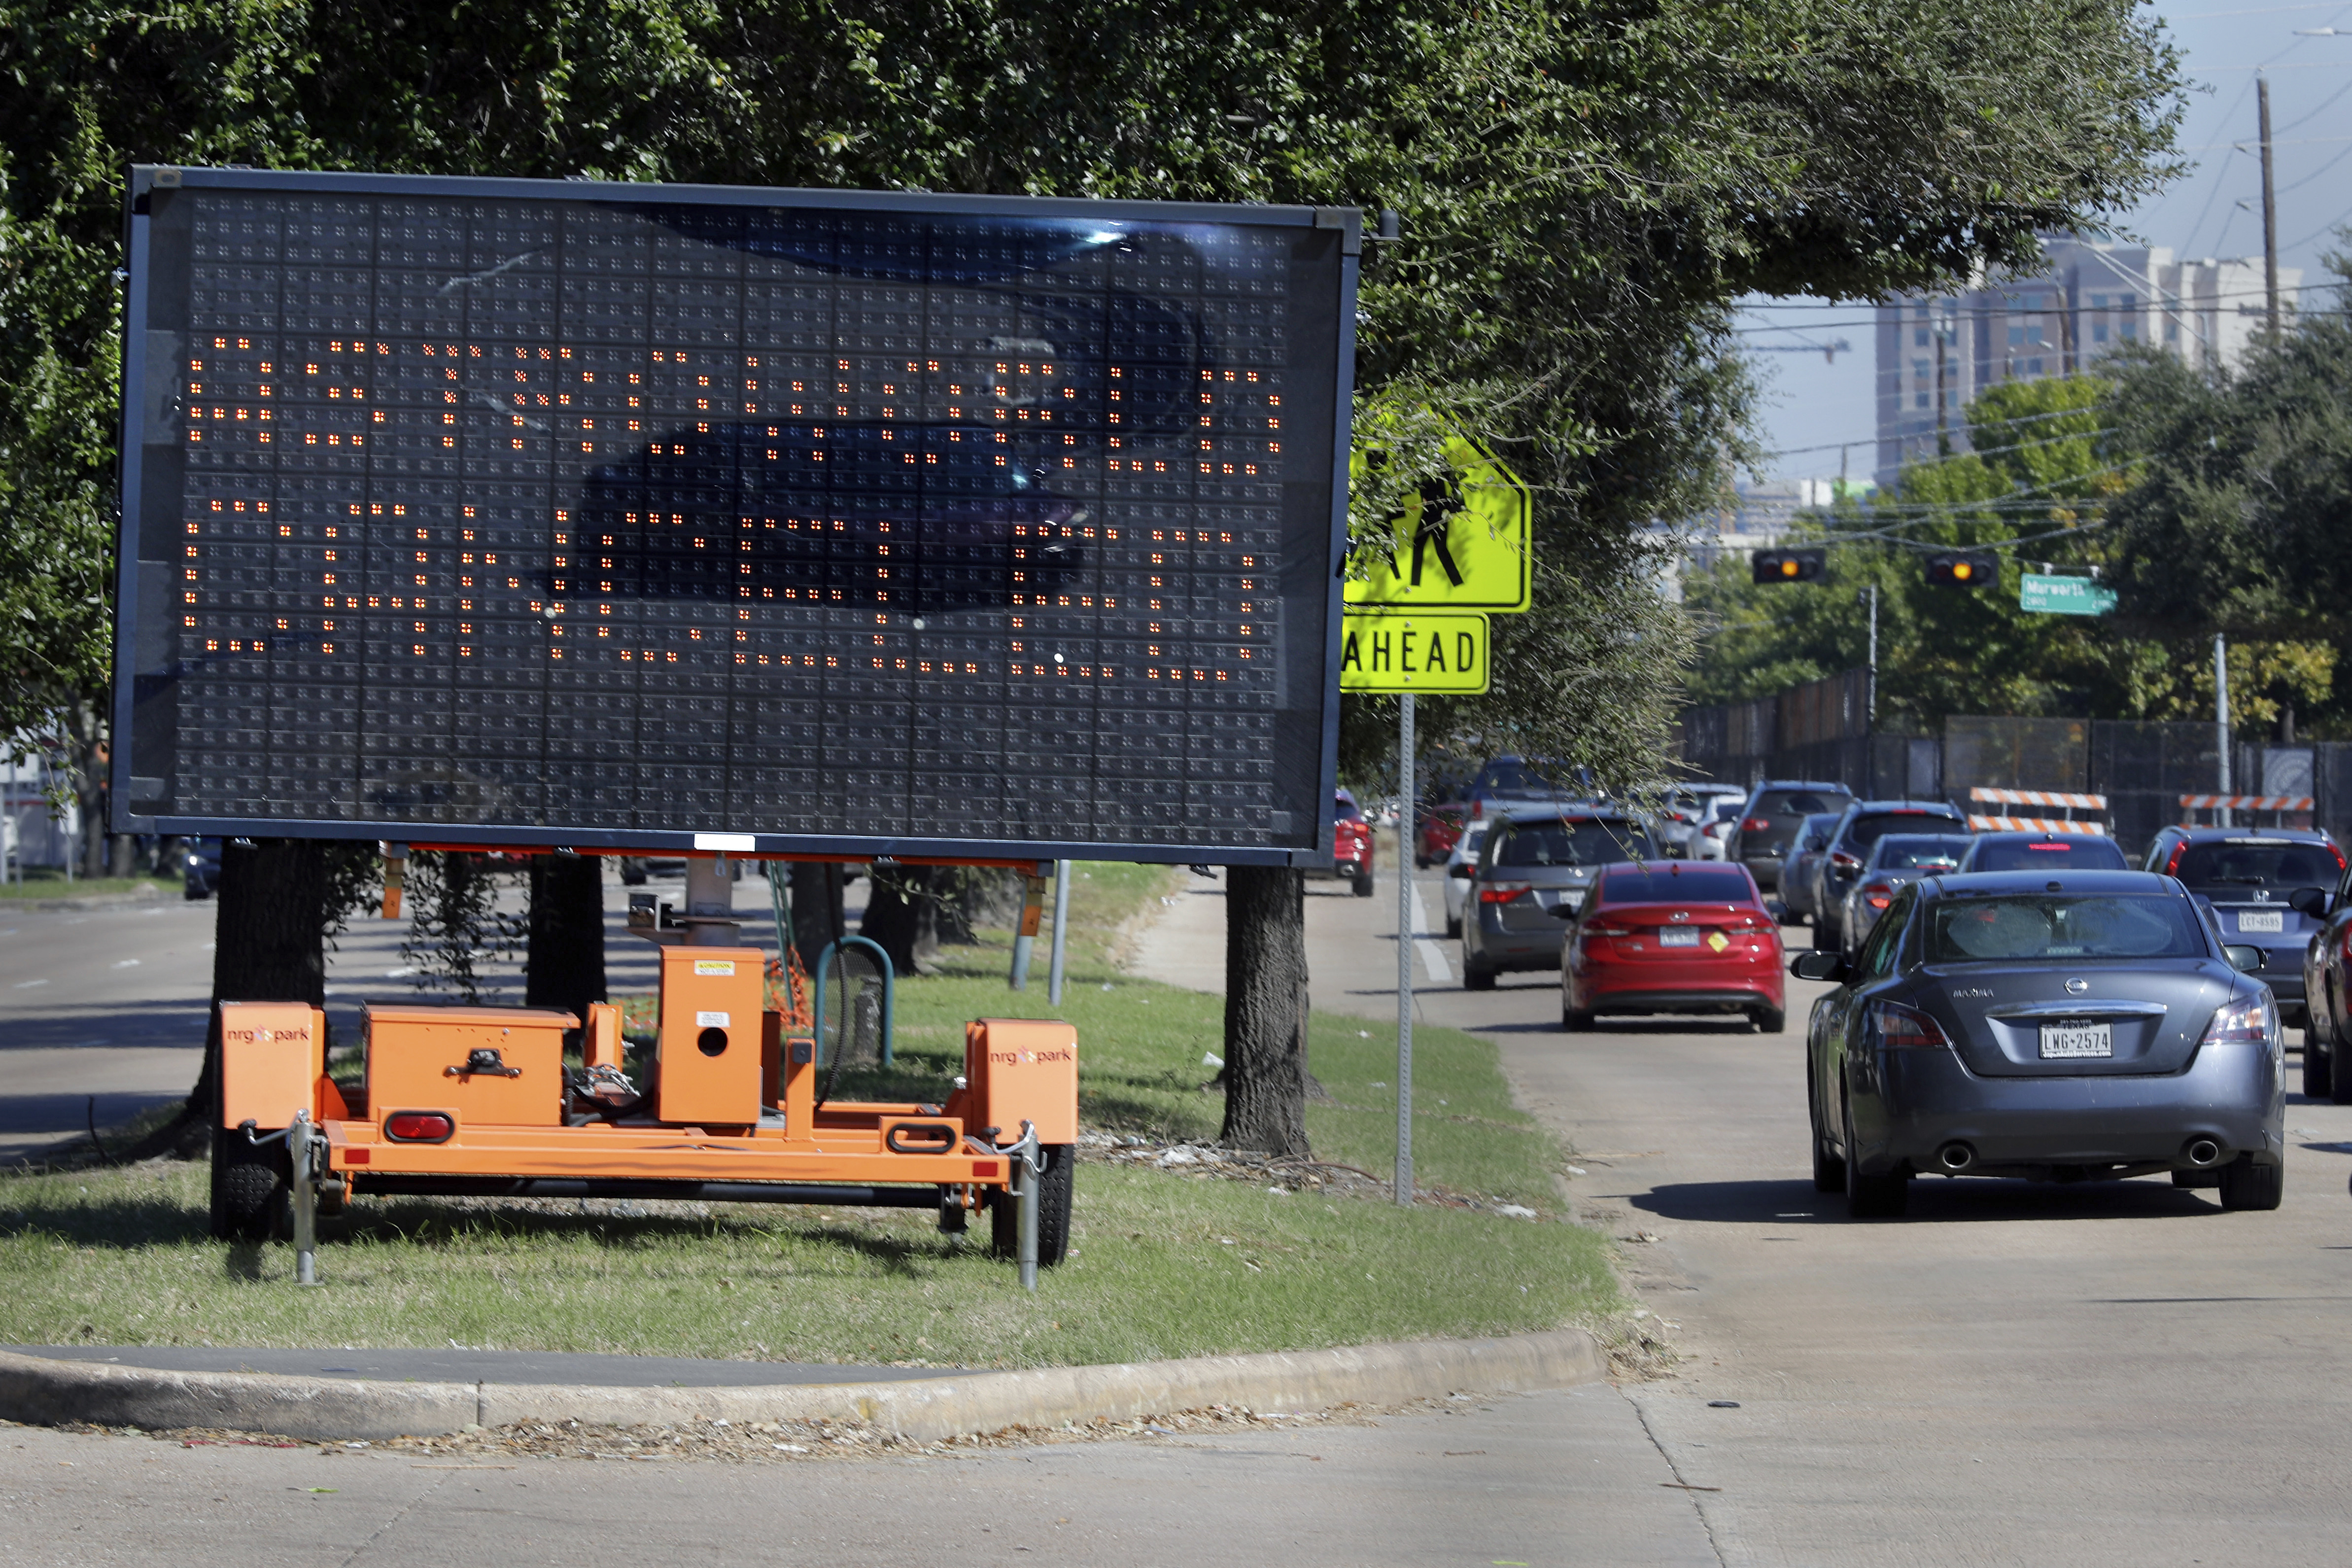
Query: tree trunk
x=817, y=916
x=564, y=965
x=902, y=914
x=269, y=945
x=1265, y=1010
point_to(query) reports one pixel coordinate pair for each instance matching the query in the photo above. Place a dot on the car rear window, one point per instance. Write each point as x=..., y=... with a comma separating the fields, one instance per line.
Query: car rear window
x=1864, y=831
x=1917, y=851
x=1798, y=801
x=1590, y=841
x=1508, y=773
x=2274, y=863
x=1703, y=885
x=2081, y=853
x=1345, y=810
x=2025, y=927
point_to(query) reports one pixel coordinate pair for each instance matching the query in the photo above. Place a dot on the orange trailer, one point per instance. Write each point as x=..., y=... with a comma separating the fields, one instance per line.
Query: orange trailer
x=479, y=1101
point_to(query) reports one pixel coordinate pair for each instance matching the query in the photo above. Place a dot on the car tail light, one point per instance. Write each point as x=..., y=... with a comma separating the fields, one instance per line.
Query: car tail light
x=1878, y=895
x=2172, y=862
x=1504, y=892
x=1845, y=862
x=1900, y=1028
x=1756, y=824
x=2242, y=1022
x=1592, y=930
x=2344, y=940
x=2339, y=858
x=1752, y=925
x=419, y=1127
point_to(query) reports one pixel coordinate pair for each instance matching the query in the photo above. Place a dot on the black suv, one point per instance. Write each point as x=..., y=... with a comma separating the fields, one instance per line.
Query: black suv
x=1770, y=821
x=2246, y=878
x=1864, y=823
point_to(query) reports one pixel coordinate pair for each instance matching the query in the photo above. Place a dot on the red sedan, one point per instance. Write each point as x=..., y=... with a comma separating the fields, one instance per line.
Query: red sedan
x=1675, y=937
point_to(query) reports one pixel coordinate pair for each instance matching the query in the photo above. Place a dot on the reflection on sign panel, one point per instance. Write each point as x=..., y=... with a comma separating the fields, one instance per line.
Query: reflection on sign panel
x=465, y=508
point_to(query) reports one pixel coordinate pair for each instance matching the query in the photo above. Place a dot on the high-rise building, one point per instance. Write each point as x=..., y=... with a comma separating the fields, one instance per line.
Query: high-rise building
x=1936, y=352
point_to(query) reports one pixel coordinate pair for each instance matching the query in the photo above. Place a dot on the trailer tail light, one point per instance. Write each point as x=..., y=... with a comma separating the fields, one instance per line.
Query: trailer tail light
x=419, y=1127
x=1503, y=892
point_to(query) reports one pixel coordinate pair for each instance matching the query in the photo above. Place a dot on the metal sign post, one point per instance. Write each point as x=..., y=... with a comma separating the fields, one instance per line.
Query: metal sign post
x=1404, y=951
x=1054, y=972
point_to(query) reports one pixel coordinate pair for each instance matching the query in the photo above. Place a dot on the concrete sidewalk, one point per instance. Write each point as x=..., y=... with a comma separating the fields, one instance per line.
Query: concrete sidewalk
x=1542, y=1479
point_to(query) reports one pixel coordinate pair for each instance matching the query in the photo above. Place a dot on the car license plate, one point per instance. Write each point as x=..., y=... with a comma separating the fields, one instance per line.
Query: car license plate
x=2261, y=920
x=2077, y=1037
x=1678, y=936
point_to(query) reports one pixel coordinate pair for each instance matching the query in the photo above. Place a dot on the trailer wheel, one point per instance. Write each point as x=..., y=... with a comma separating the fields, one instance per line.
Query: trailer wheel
x=252, y=1187
x=1053, y=1210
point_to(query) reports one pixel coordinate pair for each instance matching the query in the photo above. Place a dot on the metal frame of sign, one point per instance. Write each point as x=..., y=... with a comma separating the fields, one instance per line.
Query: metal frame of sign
x=1307, y=844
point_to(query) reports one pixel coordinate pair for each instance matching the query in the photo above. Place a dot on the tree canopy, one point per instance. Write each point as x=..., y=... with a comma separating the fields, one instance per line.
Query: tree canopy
x=1584, y=188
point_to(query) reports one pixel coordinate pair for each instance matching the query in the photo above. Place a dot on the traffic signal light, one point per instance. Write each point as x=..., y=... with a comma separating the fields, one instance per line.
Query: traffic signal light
x=1790, y=565
x=1964, y=569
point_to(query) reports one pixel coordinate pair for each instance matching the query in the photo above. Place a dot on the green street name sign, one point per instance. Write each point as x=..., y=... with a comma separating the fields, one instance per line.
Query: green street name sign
x=1414, y=650
x=2064, y=596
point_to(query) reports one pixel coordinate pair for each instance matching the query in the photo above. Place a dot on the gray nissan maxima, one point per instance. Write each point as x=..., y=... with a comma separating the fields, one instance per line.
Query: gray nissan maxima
x=2090, y=1026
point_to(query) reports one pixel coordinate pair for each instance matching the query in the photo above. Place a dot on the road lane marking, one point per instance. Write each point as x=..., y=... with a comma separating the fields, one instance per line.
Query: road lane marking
x=1431, y=959
x=21, y=985
x=126, y=963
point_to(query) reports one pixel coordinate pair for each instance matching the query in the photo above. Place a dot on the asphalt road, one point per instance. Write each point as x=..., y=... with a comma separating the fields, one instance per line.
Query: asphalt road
x=2106, y=1373
x=111, y=1001
x=2113, y=1372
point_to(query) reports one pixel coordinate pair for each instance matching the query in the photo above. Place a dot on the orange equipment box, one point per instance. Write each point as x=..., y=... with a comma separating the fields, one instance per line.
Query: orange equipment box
x=1024, y=1068
x=707, y=1071
x=273, y=1057
x=486, y=1065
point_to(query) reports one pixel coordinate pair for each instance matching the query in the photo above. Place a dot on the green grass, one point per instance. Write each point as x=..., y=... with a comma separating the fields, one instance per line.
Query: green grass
x=47, y=882
x=1162, y=1264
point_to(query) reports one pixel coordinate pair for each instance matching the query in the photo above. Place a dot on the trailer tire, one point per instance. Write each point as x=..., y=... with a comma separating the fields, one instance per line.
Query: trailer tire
x=252, y=1187
x=1060, y=1160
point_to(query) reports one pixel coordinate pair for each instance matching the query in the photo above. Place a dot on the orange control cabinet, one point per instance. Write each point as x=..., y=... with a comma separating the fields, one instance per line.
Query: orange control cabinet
x=707, y=1071
x=1024, y=1068
x=486, y=1065
x=273, y=1060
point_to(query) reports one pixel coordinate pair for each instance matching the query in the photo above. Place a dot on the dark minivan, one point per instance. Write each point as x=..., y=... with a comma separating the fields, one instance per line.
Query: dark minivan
x=1533, y=861
x=1770, y=821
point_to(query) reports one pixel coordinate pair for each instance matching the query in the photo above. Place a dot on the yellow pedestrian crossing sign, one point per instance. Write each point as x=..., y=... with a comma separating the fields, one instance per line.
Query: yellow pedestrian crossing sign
x=1414, y=650
x=1462, y=543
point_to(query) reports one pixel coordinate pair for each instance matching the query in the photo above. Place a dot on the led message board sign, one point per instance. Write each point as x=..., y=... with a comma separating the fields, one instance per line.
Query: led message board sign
x=526, y=512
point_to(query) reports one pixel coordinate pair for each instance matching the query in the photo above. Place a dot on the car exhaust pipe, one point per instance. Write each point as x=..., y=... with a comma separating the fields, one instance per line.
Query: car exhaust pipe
x=1955, y=1156
x=2203, y=1151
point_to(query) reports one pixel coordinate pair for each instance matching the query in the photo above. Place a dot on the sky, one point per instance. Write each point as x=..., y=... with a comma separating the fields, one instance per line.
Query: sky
x=2213, y=209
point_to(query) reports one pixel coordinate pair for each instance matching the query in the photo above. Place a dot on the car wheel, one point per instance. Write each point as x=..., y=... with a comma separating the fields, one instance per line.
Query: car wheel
x=2317, y=1072
x=1364, y=884
x=1573, y=1020
x=1477, y=977
x=1054, y=1186
x=2339, y=1069
x=1453, y=926
x=2246, y=1185
x=1829, y=1170
x=1767, y=1020
x=1874, y=1197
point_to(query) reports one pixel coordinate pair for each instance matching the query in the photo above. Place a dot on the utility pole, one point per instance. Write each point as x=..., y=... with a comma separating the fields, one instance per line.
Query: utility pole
x=1943, y=434
x=1874, y=655
x=2221, y=720
x=2270, y=208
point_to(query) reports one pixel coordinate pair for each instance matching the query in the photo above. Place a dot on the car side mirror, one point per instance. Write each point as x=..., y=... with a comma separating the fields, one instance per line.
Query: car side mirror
x=1465, y=870
x=2243, y=956
x=1829, y=966
x=2312, y=902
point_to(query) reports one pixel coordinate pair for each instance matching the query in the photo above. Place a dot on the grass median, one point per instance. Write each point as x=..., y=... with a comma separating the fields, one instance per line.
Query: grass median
x=1164, y=1262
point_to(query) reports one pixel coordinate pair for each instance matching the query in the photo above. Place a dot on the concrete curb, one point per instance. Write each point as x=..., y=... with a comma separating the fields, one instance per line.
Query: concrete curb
x=36, y=1390
x=70, y=902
